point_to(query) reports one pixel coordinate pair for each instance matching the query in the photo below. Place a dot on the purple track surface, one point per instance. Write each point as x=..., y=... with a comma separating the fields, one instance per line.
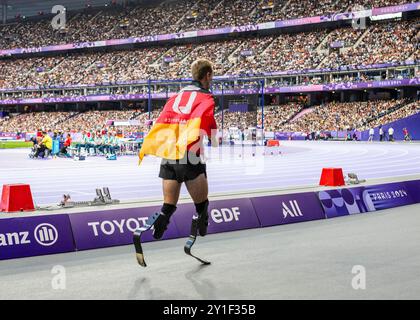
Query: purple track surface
x=300, y=164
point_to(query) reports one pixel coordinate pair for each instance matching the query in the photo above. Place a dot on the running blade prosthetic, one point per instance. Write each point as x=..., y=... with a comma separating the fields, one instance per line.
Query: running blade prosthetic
x=137, y=238
x=191, y=241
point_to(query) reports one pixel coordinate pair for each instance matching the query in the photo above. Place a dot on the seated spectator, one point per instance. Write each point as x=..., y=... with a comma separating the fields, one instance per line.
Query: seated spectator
x=67, y=144
x=44, y=146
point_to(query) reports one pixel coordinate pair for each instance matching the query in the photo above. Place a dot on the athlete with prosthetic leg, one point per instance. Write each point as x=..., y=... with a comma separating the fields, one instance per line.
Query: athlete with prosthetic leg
x=177, y=137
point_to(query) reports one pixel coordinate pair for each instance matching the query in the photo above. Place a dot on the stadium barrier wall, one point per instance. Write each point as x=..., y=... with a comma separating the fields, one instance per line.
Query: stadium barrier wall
x=288, y=208
x=346, y=201
x=107, y=228
x=412, y=123
x=34, y=236
x=41, y=235
x=413, y=188
x=224, y=215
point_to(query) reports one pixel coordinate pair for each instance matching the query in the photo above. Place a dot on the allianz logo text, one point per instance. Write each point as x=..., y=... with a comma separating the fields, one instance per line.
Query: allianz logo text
x=45, y=234
x=292, y=209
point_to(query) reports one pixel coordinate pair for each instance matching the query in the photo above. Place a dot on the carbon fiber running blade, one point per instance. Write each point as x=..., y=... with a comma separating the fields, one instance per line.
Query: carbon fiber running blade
x=140, y=259
x=137, y=238
x=139, y=249
x=187, y=250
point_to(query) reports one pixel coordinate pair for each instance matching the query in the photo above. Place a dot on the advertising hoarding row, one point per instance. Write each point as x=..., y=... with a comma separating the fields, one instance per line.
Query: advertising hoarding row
x=48, y=234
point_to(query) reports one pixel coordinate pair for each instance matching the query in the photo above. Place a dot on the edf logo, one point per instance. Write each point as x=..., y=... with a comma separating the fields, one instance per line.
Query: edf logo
x=46, y=234
x=225, y=214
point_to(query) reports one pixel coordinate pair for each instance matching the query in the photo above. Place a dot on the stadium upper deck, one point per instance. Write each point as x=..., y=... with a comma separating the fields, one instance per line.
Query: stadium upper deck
x=35, y=76
x=117, y=22
x=380, y=43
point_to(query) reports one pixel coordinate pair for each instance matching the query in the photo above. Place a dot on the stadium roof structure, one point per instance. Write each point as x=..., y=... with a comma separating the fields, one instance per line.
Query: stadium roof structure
x=28, y=8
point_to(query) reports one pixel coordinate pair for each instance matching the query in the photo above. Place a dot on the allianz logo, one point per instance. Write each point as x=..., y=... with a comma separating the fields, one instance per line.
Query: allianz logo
x=45, y=234
x=291, y=209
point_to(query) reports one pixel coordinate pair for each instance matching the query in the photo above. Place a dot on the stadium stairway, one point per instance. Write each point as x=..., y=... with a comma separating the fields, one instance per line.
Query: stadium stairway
x=361, y=38
x=301, y=114
x=293, y=116
x=286, y=5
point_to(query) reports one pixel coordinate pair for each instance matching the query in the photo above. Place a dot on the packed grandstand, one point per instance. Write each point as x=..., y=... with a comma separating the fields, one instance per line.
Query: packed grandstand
x=285, y=79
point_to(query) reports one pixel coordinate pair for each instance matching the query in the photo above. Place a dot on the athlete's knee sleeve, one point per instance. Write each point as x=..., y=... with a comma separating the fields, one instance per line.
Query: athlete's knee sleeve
x=202, y=207
x=168, y=209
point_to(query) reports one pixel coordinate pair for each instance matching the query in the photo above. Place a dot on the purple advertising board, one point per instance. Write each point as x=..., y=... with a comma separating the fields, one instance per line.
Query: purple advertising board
x=288, y=208
x=238, y=107
x=9, y=135
x=337, y=44
x=109, y=228
x=224, y=215
x=413, y=188
x=347, y=201
x=50, y=234
x=398, y=8
x=34, y=236
x=289, y=135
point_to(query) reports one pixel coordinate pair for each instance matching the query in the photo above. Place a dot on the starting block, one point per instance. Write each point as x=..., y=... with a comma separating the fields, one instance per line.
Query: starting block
x=332, y=177
x=103, y=198
x=16, y=197
x=354, y=179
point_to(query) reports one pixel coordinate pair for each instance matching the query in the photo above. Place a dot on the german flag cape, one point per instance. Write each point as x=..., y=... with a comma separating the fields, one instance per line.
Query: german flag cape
x=179, y=124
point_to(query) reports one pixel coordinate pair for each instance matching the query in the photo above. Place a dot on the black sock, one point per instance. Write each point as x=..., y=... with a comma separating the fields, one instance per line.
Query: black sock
x=168, y=209
x=202, y=207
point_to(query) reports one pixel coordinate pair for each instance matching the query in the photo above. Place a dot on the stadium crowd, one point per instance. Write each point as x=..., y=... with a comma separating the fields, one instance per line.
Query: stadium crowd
x=34, y=121
x=346, y=116
x=276, y=116
x=240, y=120
x=403, y=112
x=389, y=42
x=381, y=42
x=285, y=118
x=64, y=121
x=116, y=22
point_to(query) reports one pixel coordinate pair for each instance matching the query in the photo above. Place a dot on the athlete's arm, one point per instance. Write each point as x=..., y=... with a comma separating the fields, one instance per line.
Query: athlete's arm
x=213, y=133
x=214, y=138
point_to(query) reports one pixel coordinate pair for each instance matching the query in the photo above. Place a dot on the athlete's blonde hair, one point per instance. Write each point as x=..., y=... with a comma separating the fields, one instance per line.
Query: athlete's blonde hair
x=200, y=68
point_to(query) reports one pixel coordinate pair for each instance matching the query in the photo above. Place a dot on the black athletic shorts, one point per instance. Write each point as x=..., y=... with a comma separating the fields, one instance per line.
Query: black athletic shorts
x=182, y=170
